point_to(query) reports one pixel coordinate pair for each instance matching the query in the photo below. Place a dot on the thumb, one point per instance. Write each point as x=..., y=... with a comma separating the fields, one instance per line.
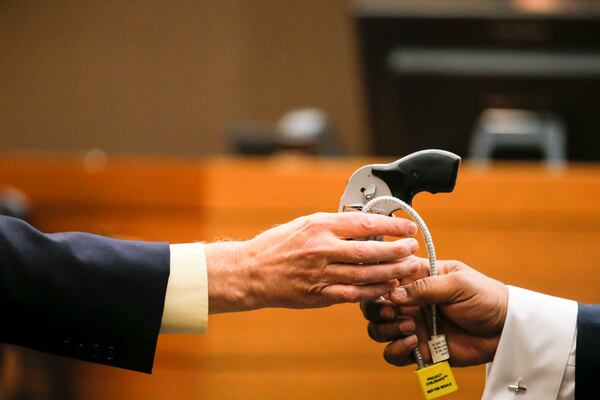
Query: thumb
x=430, y=290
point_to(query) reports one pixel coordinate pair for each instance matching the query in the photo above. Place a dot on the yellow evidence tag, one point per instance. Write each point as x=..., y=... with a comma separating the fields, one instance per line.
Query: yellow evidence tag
x=436, y=380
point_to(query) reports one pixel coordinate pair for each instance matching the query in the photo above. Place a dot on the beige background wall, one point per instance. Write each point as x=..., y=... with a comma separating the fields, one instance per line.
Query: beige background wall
x=169, y=77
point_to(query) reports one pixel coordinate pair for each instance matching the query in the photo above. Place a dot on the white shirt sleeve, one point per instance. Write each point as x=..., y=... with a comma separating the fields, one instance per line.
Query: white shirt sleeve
x=537, y=348
x=186, y=299
x=567, y=388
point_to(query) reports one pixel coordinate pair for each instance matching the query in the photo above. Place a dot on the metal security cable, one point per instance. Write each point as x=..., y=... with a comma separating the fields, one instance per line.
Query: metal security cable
x=387, y=205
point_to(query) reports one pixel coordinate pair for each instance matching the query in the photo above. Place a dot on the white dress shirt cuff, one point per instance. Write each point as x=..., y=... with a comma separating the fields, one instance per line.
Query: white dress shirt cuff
x=534, y=347
x=186, y=299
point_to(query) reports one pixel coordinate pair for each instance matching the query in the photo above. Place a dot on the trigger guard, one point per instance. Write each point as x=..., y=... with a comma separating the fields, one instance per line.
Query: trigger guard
x=388, y=211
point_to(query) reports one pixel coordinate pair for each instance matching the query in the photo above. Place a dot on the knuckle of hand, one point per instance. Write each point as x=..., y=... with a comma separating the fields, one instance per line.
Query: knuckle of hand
x=321, y=217
x=403, y=248
x=401, y=225
x=314, y=222
x=302, y=221
x=420, y=286
x=360, y=252
x=455, y=265
x=412, y=246
x=462, y=282
x=366, y=222
x=398, y=272
x=371, y=331
x=454, y=278
x=384, y=313
x=370, y=310
x=359, y=276
x=316, y=248
x=312, y=252
x=389, y=356
x=316, y=301
x=317, y=277
x=350, y=294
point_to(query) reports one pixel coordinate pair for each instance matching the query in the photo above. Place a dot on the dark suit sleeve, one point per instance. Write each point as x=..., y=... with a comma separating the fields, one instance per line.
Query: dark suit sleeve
x=81, y=295
x=587, y=353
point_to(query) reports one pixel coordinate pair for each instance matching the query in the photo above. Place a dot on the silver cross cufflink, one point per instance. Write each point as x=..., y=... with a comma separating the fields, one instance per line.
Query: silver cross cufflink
x=517, y=387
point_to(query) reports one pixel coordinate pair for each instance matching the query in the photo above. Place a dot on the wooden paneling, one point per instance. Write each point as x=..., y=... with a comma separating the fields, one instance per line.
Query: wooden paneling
x=521, y=224
x=171, y=77
x=145, y=198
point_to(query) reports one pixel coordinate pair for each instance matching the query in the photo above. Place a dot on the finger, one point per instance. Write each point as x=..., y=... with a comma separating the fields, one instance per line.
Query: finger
x=444, y=267
x=358, y=225
x=421, y=266
x=421, y=318
x=371, y=251
x=386, y=311
x=439, y=289
x=413, y=312
x=400, y=352
x=388, y=331
x=378, y=311
x=433, y=289
x=355, y=293
x=364, y=274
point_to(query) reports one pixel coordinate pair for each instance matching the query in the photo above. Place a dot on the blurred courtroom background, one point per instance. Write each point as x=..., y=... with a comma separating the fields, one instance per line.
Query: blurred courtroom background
x=168, y=77
x=153, y=119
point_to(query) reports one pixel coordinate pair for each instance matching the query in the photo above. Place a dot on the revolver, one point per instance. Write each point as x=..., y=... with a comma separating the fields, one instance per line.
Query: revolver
x=431, y=171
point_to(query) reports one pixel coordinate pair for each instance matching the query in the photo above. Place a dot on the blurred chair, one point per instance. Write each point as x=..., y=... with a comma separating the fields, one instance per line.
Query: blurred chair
x=519, y=131
x=431, y=67
x=303, y=130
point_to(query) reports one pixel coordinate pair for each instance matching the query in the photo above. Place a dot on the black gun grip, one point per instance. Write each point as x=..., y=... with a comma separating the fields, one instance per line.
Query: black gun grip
x=431, y=171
